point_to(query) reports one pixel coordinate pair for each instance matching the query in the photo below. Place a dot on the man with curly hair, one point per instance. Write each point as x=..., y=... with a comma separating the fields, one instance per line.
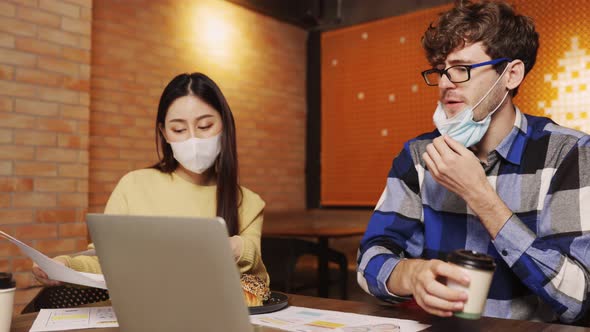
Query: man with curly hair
x=490, y=179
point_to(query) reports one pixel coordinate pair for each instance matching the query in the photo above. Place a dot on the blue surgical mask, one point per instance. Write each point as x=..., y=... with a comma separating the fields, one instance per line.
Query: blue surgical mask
x=462, y=128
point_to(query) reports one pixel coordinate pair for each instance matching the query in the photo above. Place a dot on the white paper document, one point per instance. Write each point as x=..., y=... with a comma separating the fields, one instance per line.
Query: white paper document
x=74, y=319
x=301, y=319
x=57, y=271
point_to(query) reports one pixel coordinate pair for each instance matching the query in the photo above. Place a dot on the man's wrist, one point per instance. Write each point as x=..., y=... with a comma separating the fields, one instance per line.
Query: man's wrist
x=480, y=197
x=400, y=280
x=490, y=208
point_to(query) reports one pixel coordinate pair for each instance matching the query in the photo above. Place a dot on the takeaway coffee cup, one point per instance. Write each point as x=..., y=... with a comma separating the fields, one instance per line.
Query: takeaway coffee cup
x=480, y=269
x=7, y=288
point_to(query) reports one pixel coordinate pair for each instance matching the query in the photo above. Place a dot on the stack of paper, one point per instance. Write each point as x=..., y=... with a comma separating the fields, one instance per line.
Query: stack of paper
x=74, y=319
x=301, y=319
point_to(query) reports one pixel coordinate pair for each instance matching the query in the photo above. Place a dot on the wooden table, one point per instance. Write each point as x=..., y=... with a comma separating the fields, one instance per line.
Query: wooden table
x=23, y=323
x=321, y=225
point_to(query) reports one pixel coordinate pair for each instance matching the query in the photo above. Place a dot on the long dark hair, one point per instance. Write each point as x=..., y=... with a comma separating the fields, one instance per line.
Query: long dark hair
x=225, y=169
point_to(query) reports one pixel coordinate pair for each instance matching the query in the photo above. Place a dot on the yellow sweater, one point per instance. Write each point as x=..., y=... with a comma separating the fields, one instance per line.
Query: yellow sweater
x=151, y=192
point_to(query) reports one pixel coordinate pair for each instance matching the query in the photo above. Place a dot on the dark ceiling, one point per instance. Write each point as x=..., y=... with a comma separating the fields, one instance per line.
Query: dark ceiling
x=333, y=14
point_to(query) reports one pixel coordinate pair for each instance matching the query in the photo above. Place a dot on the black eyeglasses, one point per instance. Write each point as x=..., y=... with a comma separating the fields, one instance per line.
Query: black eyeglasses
x=456, y=74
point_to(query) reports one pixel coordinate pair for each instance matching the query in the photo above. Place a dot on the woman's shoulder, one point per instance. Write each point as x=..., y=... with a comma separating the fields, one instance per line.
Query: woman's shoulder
x=251, y=202
x=250, y=196
x=251, y=207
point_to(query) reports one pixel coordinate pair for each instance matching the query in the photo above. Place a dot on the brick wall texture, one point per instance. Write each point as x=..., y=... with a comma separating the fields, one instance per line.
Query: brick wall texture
x=259, y=63
x=80, y=82
x=45, y=52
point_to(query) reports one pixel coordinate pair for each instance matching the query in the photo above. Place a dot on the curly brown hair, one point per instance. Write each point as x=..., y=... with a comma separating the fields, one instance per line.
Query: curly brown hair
x=503, y=32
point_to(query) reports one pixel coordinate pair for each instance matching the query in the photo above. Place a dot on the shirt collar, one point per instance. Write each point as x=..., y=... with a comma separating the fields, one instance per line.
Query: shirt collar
x=512, y=146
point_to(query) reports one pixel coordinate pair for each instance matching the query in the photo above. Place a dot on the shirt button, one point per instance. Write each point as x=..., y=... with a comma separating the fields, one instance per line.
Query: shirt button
x=504, y=252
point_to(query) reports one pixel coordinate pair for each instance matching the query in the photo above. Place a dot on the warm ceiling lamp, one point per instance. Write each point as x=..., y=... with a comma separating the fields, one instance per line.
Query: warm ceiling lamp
x=213, y=30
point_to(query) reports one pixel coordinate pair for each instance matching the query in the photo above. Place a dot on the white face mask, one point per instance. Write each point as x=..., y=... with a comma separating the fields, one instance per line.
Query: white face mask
x=461, y=127
x=197, y=154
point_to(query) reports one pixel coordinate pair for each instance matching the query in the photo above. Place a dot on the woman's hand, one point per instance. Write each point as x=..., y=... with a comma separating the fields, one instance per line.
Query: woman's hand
x=237, y=245
x=42, y=277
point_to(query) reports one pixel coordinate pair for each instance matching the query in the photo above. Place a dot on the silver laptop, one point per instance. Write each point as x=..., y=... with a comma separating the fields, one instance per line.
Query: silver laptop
x=169, y=273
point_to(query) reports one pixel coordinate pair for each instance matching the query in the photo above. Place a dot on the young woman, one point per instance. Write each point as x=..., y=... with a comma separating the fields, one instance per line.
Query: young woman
x=197, y=174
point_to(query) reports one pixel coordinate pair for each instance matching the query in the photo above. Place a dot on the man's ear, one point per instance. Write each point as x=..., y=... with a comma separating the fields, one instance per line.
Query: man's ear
x=163, y=131
x=515, y=74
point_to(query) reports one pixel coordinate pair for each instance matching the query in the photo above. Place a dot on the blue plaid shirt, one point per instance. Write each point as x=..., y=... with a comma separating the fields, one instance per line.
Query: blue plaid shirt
x=542, y=172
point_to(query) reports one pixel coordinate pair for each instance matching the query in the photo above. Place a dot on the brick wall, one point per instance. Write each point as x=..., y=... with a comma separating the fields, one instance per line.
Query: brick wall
x=67, y=136
x=45, y=48
x=259, y=63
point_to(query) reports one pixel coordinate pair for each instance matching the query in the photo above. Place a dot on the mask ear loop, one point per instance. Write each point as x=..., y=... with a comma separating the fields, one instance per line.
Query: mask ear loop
x=491, y=88
x=500, y=104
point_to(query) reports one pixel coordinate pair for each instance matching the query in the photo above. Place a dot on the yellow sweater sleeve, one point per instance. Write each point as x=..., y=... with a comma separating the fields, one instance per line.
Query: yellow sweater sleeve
x=251, y=218
x=117, y=204
x=84, y=263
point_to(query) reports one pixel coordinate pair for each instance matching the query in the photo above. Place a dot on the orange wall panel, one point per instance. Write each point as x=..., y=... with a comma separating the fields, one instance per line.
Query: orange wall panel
x=374, y=99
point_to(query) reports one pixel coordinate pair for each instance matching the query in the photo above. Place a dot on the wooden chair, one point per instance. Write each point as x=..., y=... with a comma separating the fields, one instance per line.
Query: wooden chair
x=65, y=297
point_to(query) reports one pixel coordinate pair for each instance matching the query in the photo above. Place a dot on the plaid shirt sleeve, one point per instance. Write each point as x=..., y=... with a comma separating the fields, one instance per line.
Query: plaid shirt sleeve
x=394, y=230
x=554, y=261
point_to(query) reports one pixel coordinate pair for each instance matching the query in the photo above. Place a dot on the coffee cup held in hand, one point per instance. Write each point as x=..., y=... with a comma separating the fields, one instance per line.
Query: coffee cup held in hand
x=7, y=288
x=480, y=269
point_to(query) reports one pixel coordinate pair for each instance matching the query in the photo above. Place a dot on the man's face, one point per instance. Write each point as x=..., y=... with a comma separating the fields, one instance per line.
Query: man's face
x=455, y=97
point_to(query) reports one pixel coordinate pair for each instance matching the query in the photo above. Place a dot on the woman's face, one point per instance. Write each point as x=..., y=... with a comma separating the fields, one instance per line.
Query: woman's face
x=188, y=117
